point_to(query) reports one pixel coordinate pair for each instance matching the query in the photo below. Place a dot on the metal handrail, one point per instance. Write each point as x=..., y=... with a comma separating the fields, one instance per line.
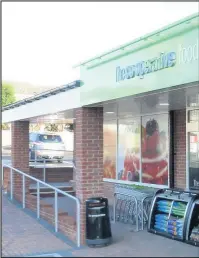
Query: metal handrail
x=44, y=164
x=35, y=160
x=38, y=198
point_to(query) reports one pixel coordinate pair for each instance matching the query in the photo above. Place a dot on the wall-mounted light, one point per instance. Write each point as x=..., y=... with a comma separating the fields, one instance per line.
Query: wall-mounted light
x=109, y=112
x=164, y=104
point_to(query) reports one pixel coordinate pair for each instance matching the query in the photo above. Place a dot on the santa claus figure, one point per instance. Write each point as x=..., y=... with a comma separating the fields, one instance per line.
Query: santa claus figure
x=154, y=155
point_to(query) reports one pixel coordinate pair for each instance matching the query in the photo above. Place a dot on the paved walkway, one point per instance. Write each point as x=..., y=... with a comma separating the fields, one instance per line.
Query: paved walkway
x=23, y=235
x=139, y=244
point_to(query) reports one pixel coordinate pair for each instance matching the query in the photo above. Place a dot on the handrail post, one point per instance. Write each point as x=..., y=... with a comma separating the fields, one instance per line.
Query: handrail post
x=2, y=173
x=38, y=200
x=35, y=157
x=56, y=212
x=44, y=171
x=114, y=207
x=24, y=188
x=78, y=223
x=11, y=183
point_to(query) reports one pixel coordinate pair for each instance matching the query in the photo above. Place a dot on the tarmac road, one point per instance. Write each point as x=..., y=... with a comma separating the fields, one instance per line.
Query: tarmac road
x=6, y=158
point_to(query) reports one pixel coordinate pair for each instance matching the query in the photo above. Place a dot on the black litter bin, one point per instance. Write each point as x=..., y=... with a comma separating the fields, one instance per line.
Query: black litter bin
x=98, y=229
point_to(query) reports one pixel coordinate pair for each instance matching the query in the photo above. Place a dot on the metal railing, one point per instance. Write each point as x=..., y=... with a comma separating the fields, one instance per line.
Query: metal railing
x=126, y=208
x=36, y=160
x=132, y=206
x=36, y=164
x=56, y=190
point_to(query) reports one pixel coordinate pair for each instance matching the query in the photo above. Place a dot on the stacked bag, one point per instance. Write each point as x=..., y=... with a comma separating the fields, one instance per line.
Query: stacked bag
x=164, y=206
x=195, y=234
x=161, y=222
x=178, y=208
x=175, y=226
x=172, y=225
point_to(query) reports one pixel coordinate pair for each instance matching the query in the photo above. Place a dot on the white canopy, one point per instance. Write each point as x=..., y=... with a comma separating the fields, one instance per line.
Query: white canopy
x=50, y=102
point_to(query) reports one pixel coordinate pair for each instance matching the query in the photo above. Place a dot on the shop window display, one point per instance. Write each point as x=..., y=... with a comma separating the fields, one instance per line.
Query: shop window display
x=155, y=149
x=194, y=160
x=143, y=152
x=110, y=143
x=129, y=150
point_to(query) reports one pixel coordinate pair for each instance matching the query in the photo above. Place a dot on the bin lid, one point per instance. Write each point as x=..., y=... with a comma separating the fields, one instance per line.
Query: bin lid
x=96, y=200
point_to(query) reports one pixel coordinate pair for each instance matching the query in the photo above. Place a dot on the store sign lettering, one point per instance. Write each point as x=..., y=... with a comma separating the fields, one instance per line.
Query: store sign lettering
x=189, y=53
x=165, y=60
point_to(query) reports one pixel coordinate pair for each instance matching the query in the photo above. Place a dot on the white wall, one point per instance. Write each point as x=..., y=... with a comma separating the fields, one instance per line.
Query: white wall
x=68, y=138
x=6, y=137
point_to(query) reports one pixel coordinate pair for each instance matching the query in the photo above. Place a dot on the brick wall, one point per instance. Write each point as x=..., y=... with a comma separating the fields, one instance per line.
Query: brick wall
x=20, y=153
x=180, y=148
x=6, y=178
x=74, y=150
x=66, y=223
x=53, y=175
x=109, y=189
x=89, y=157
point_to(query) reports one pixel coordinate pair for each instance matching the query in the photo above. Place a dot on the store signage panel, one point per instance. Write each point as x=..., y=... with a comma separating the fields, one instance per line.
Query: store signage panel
x=165, y=60
x=169, y=63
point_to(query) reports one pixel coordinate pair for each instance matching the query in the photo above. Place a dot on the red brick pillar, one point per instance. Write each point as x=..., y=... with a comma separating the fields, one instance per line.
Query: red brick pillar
x=180, y=148
x=74, y=147
x=20, y=155
x=89, y=157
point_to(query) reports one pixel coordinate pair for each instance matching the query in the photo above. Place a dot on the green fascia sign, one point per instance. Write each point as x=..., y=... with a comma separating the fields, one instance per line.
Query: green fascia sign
x=142, y=68
x=167, y=63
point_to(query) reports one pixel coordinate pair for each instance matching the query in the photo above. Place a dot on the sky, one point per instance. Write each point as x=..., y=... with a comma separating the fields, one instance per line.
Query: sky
x=41, y=42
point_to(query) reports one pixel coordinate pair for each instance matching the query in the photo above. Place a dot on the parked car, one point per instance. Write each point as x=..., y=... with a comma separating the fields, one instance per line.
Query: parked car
x=46, y=146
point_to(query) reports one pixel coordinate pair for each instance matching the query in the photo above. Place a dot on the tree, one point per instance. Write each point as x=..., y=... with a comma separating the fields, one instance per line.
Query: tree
x=51, y=127
x=54, y=127
x=8, y=97
x=8, y=94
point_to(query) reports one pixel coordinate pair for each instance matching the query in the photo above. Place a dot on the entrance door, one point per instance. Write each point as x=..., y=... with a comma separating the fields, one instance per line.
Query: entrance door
x=193, y=151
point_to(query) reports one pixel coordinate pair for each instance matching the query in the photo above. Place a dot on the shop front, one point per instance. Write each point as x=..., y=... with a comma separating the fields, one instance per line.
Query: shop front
x=135, y=113
x=149, y=91
x=157, y=147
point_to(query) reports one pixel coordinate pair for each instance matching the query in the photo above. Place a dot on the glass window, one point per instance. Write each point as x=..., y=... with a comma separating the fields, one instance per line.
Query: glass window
x=142, y=149
x=129, y=150
x=193, y=116
x=46, y=138
x=155, y=149
x=194, y=160
x=110, y=147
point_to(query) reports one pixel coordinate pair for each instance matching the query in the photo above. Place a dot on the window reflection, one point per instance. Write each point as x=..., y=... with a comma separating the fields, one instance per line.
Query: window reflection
x=194, y=160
